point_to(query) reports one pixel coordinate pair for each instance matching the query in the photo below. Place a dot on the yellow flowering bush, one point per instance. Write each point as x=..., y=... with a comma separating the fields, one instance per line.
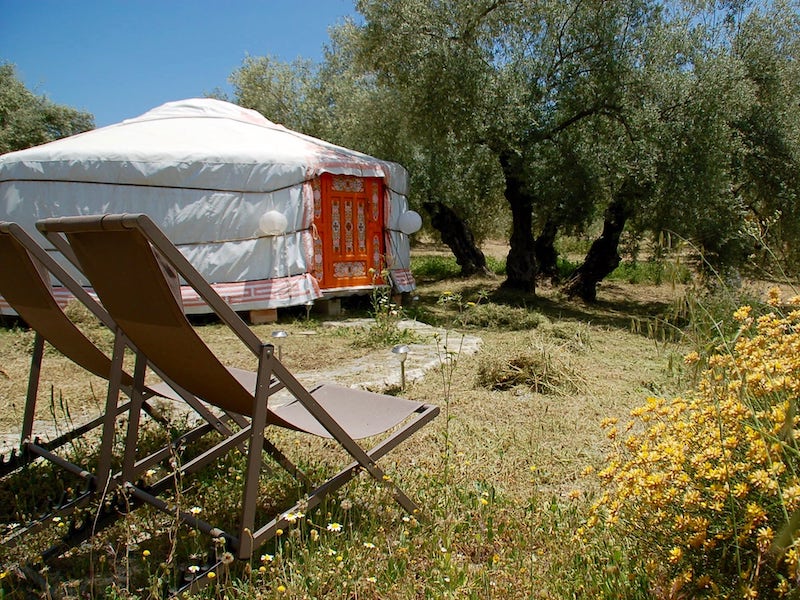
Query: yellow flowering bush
x=708, y=485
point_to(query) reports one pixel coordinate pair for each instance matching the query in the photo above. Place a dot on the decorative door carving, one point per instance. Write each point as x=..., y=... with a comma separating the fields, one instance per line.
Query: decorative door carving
x=348, y=215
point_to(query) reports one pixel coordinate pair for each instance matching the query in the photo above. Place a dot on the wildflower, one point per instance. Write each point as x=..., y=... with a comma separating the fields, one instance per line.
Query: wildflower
x=691, y=358
x=265, y=558
x=226, y=558
x=372, y=579
x=749, y=592
x=279, y=532
x=281, y=589
x=193, y=569
x=369, y=545
x=335, y=527
x=195, y=510
x=292, y=517
x=346, y=505
x=145, y=553
x=262, y=569
x=675, y=555
x=764, y=538
x=211, y=575
x=314, y=535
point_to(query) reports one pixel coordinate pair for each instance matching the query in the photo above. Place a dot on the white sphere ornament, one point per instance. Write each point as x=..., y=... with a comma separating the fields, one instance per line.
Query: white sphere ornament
x=273, y=223
x=409, y=222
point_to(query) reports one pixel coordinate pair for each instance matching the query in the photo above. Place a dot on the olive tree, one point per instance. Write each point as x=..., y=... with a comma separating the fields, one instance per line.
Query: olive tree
x=27, y=119
x=508, y=76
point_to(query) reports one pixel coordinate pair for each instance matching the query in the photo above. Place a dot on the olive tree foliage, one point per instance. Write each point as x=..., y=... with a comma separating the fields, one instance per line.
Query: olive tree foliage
x=27, y=119
x=690, y=155
x=766, y=166
x=276, y=89
x=725, y=152
x=509, y=76
x=666, y=159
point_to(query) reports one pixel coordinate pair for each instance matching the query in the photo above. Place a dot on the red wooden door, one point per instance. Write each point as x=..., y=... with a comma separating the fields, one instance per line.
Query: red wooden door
x=348, y=215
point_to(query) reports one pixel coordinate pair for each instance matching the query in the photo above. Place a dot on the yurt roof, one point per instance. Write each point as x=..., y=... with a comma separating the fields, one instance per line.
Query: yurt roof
x=198, y=143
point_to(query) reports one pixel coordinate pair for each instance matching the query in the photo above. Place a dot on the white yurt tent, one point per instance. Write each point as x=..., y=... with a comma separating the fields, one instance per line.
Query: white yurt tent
x=271, y=217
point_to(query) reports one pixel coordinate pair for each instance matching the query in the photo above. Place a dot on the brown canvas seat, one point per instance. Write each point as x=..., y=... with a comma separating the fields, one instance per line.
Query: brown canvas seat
x=134, y=269
x=25, y=283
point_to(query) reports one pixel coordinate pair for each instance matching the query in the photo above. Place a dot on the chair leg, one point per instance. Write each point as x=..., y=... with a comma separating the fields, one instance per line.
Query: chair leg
x=258, y=422
x=114, y=388
x=33, y=389
x=134, y=418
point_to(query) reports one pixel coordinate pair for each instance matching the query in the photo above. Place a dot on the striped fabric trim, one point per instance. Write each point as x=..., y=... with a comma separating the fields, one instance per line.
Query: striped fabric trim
x=245, y=295
x=403, y=280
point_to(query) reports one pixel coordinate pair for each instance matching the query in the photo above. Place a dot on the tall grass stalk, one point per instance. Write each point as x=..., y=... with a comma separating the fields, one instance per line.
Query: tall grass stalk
x=448, y=361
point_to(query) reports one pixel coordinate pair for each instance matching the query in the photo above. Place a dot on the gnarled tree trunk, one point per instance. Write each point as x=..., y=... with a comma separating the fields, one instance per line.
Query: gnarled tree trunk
x=521, y=261
x=602, y=257
x=457, y=235
x=546, y=255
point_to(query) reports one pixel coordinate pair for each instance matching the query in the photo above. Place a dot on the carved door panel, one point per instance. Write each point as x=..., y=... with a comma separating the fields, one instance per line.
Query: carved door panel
x=348, y=215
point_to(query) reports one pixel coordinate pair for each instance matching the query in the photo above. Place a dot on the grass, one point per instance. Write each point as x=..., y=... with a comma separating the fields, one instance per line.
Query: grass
x=500, y=472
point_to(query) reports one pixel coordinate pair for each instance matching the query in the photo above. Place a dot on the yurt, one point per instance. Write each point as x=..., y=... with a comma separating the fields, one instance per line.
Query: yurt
x=271, y=217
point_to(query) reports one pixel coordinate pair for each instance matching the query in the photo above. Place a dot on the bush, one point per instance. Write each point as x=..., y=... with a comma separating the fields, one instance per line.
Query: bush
x=708, y=485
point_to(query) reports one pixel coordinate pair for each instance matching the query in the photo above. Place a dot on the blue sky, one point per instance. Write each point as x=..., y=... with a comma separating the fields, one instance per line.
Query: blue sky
x=119, y=58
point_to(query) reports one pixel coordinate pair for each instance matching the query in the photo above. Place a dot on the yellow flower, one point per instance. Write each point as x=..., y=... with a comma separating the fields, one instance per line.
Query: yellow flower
x=335, y=527
x=691, y=358
x=675, y=555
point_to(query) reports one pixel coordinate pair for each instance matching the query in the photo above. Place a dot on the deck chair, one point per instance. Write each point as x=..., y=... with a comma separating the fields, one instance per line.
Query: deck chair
x=25, y=270
x=130, y=262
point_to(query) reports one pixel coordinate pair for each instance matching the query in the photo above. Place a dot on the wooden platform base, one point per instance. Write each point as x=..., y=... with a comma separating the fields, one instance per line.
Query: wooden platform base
x=266, y=315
